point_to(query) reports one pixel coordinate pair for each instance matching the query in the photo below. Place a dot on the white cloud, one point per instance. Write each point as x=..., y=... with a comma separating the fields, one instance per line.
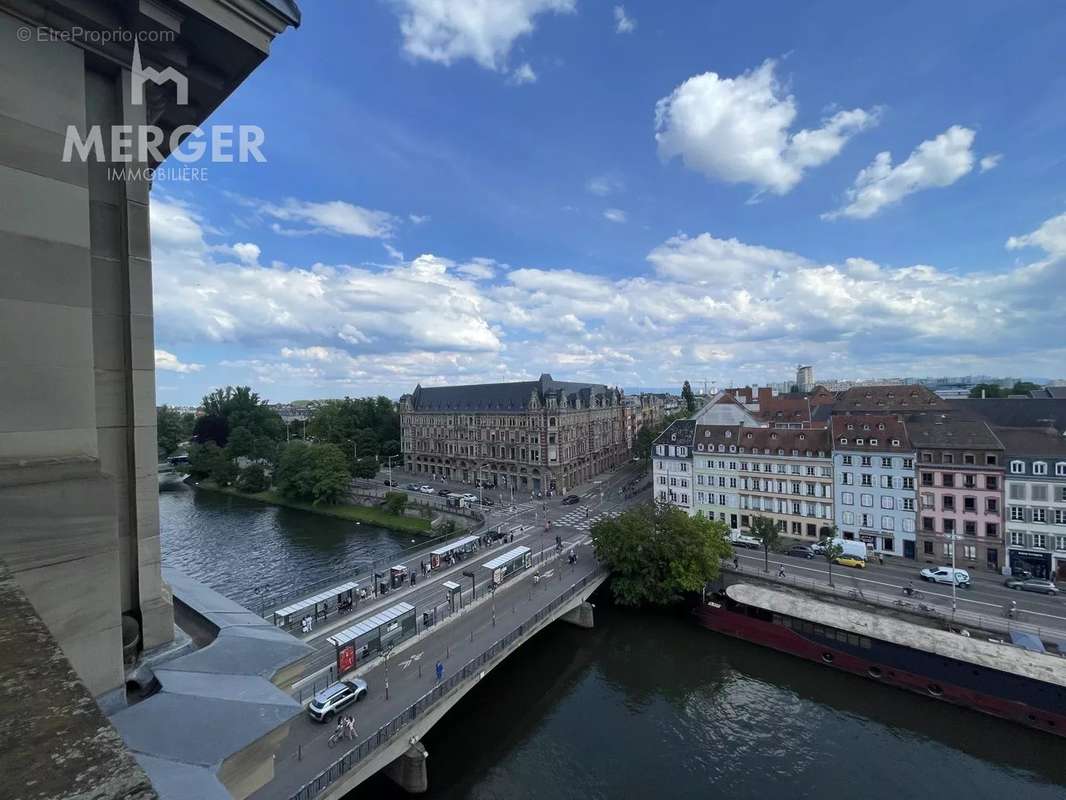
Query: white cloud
x=991, y=161
x=418, y=219
x=169, y=362
x=446, y=31
x=706, y=305
x=934, y=163
x=1050, y=237
x=614, y=215
x=333, y=217
x=603, y=185
x=247, y=252
x=739, y=130
x=522, y=75
x=623, y=24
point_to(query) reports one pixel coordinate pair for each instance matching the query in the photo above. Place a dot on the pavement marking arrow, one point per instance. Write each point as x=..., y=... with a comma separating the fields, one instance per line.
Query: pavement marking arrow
x=411, y=660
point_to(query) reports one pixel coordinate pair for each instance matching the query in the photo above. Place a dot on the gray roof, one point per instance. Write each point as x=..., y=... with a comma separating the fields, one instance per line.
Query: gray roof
x=951, y=431
x=286, y=8
x=680, y=431
x=508, y=396
x=1032, y=441
x=1016, y=413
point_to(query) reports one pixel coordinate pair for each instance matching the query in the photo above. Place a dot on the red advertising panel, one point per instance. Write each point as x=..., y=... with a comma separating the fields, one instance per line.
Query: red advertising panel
x=345, y=659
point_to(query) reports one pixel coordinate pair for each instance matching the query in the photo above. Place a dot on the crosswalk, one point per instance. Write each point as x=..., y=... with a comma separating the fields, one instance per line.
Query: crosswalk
x=577, y=519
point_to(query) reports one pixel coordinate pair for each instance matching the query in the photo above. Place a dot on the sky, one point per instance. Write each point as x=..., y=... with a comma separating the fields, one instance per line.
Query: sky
x=458, y=191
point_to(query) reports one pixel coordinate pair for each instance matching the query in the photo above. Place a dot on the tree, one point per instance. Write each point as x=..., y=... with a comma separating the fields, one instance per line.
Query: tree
x=227, y=409
x=204, y=460
x=367, y=427
x=1024, y=387
x=688, y=397
x=395, y=503
x=253, y=479
x=765, y=529
x=292, y=476
x=656, y=553
x=172, y=429
x=331, y=480
x=241, y=443
x=987, y=390
x=365, y=468
x=833, y=549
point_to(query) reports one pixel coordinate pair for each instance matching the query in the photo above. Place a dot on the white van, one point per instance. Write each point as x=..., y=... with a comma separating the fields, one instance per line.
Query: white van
x=852, y=547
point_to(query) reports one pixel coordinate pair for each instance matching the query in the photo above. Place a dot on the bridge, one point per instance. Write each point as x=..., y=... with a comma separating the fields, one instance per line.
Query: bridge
x=473, y=631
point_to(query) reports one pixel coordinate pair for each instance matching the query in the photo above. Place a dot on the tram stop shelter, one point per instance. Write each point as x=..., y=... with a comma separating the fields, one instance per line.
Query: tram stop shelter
x=372, y=635
x=459, y=549
x=453, y=593
x=509, y=563
x=319, y=606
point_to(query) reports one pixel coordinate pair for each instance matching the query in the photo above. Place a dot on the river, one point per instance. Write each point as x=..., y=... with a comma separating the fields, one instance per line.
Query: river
x=645, y=705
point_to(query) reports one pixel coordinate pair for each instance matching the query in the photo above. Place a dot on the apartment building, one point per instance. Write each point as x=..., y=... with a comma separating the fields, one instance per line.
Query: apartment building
x=874, y=474
x=960, y=490
x=536, y=436
x=1036, y=500
x=783, y=474
x=672, y=465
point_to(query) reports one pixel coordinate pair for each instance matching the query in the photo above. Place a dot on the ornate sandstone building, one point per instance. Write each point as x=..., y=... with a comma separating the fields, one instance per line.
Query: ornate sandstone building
x=532, y=436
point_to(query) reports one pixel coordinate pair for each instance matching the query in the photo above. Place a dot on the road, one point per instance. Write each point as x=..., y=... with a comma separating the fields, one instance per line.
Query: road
x=988, y=596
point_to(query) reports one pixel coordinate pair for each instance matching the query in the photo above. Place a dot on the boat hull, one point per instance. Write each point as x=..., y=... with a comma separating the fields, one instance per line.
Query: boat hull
x=892, y=665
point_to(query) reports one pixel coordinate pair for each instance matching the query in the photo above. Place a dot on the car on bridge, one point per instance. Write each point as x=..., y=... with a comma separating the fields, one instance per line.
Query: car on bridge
x=571, y=499
x=1038, y=585
x=336, y=697
x=943, y=575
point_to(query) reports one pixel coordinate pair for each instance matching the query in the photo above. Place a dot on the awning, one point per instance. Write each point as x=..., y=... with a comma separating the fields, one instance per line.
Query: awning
x=369, y=625
x=321, y=597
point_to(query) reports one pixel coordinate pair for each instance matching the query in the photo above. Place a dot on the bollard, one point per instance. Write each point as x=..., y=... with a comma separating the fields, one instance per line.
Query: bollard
x=300, y=752
x=419, y=669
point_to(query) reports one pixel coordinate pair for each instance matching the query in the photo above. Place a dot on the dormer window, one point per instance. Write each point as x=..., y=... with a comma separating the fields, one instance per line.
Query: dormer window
x=860, y=441
x=728, y=434
x=780, y=452
x=880, y=426
x=873, y=441
x=866, y=427
x=895, y=442
x=843, y=439
x=802, y=436
x=1039, y=468
x=851, y=427
x=749, y=435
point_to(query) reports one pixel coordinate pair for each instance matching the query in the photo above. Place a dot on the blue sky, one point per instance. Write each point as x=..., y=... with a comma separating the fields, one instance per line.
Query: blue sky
x=458, y=191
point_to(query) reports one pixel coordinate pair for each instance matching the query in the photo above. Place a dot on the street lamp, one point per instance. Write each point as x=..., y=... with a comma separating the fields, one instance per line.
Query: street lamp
x=385, y=659
x=954, y=580
x=388, y=461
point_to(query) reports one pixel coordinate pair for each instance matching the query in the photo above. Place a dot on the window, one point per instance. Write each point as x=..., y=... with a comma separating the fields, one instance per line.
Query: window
x=949, y=458
x=1060, y=516
x=1038, y=491
x=992, y=530
x=888, y=545
x=866, y=500
x=908, y=463
x=847, y=498
x=908, y=525
x=867, y=479
x=1039, y=468
x=969, y=504
x=1017, y=467
x=888, y=523
x=886, y=463
x=886, y=481
x=908, y=504
x=969, y=552
x=848, y=517
x=847, y=478
x=845, y=461
x=991, y=505
x=991, y=459
x=969, y=527
x=949, y=502
x=927, y=547
x=888, y=501
x=1017, y=514
x=1039, y=515
x=991, y=482
x=949, y=526
x=968, y=458
x=908, y=483
x=1017, y=538
x=1060, y=542
x=947, y=549
x=867, y=461
x=867, y=521
x=721, y=499
x=1060, y=469
x=927, y=479
x=1039, y=540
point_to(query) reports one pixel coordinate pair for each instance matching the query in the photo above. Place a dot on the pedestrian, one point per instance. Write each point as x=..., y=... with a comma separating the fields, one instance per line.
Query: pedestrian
x=881, y=559
x=781, y=572
x=736, y=563
x=412, y=579
x=440, y=671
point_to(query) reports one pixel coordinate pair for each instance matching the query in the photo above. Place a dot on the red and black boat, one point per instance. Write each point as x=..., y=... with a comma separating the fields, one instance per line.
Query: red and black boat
x=992, y=677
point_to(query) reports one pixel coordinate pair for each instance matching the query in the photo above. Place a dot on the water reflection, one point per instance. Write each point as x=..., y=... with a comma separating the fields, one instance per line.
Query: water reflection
x=649, y=704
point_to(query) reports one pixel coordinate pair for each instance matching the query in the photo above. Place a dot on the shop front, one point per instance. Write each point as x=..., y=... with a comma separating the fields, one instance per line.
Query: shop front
x=1036, y=562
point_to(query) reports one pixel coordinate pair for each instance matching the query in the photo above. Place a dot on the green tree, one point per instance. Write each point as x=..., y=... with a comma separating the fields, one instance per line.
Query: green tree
x=656, y=553
x=988, y=390
x=367, y=427
x=253, y=479
x=765, y=529
x=292, y=476
x=395, y=502
x=204, y=459
x=833, y=548
x=331, y=480
x=227, y=409
x=1024, y=387
x=365, y=468
x=172, y=428
x=241, y=442
x=688, y=397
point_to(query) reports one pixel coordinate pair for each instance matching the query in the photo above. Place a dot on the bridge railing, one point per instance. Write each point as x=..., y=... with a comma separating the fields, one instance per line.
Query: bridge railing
x=387, y=732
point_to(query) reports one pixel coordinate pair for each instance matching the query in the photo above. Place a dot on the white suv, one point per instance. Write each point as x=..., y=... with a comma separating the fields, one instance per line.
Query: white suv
x=943, y=575
x=335, y=697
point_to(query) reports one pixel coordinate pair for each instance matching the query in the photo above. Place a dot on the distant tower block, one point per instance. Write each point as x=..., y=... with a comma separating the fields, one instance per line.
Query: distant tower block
x=805, y=378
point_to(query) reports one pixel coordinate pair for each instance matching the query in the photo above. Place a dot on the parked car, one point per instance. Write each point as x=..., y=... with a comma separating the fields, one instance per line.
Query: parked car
x=800, y=551
x=335, y=697
x=1032, y=585
x=427, y=490
x=1020, y=572
x=570, y=499
x=443, y=492
x=943, y=575
x=817, y=548
x=486, y=502
x=743, y=540
x=387, y=482
x=847, y=560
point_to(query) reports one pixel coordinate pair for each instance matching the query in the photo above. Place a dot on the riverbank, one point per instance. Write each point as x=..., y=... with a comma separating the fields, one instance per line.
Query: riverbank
x=368, y=514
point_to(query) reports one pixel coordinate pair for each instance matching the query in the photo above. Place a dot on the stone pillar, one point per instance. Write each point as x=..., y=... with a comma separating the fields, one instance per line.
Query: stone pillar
x=580, y=616
x=409, y=770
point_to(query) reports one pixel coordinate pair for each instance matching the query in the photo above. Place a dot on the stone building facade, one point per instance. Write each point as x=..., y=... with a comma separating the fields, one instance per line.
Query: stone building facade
x=960, y=491
x=1036, y=500
x=875, y=498
x=532, y=436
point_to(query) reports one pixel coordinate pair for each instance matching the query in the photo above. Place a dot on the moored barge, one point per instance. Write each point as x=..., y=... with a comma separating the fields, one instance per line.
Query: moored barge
x=992, y=677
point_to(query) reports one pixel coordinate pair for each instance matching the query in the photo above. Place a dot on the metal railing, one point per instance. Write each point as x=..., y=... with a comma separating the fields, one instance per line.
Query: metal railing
x=387, y=732
x=920, y=604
